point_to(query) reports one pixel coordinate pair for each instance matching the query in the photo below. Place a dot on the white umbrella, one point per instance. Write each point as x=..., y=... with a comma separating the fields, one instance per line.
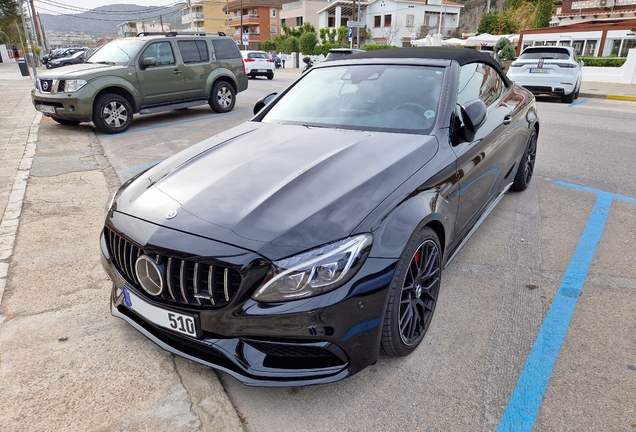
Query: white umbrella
x=420, y=42
x=437, y=39
x=453, y=42
x=429, y=41
x=484, y=39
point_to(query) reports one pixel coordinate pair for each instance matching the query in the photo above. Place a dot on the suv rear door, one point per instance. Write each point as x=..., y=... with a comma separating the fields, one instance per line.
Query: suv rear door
x=195, y=55
x=163, y=82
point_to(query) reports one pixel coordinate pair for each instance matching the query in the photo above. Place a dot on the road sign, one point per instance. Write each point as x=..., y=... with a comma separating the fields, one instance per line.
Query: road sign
x=246, y=40
x=355, y=24
x=412, y=38
x=434, y=2
x=350, y=32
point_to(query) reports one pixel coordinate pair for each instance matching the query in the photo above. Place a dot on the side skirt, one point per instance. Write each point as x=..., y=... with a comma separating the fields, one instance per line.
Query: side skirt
x=481, y=219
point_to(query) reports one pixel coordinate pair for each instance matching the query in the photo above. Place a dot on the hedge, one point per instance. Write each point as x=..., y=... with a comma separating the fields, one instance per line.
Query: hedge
x=603, y=61
x=373, y=47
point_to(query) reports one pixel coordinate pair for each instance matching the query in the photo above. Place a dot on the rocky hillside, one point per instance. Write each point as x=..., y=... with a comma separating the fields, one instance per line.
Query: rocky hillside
x=474, y=10
x=103, y=21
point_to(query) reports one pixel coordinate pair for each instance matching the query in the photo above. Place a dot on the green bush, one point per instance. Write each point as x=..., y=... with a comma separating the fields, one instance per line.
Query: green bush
x=325, y=47
x=308, y=42
x=373, y=47
x=268, y=45
x=603, y=61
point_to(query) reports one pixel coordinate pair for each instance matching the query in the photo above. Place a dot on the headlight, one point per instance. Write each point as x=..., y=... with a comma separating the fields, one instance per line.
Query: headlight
x=74, y=85
x=315, y=272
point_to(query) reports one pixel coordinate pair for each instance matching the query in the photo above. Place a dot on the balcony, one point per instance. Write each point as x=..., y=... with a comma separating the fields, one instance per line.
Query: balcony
x=247, y=20
x=197, y=16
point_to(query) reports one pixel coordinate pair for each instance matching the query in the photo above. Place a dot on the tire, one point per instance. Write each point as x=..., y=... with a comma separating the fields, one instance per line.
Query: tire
x=576, y=94
x=526, y=167
x=66, y=64
x=413, y=295
x=270, y=75
x=66, y=122
x=112, y=113
x=568, y=98
x=223, y=97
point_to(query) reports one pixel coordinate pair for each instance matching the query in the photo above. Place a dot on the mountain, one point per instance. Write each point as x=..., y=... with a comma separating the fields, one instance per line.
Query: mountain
x=102, y=21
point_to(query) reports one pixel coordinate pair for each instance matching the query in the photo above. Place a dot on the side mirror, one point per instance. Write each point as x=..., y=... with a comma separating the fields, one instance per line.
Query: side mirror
x=581, y=63
x=306, y=60
x=260, y=104
x=149, y=61
x=474, y=114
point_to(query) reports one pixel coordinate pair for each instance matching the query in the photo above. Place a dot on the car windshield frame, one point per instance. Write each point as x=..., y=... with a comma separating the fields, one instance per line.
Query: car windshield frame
x=363, y=97
x=114, y=52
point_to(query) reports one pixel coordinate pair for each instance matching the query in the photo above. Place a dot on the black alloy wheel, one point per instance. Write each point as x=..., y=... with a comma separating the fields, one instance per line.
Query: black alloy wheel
x=223, y=97
x=526, y=167
x=112, y=113
x=413, y=295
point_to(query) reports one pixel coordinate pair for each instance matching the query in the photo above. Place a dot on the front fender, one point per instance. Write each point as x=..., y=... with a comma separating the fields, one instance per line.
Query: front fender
x=103, y=83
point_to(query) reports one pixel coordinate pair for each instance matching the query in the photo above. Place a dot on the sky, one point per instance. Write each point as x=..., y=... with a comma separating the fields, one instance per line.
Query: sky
x=77, y=6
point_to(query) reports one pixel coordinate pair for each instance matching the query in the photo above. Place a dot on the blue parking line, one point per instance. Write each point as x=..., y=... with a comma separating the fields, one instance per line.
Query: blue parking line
x=524, y=404
x=138, y=167
x=173, y=124
x=578, y=103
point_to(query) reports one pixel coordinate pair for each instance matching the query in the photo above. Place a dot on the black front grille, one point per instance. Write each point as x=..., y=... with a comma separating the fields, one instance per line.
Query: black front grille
x=288, y=350
x=185, y=282
x=46, y=86
x=61, y=86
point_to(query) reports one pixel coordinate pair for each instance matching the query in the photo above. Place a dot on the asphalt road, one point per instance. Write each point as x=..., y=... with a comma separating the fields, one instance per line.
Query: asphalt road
x=495, y=296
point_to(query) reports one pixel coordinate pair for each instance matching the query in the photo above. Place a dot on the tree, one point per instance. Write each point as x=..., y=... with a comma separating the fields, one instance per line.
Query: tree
x=343, y=32
x=488, y=24
x=524, y=16
x=496, y=24
x=308, y=42
x=389, y=33
x=291, y=44
x=504, y=49
x=9, y=13
x=268, y=45
x=4, y=39
x=544, y=13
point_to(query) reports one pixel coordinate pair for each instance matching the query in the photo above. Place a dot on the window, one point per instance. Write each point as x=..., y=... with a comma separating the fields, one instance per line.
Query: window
x=344, y=22
x=590, y=47
x=273, y=29
x=299, y=21
x=225, y=49
x=377, y=21
x=162, y=52
x=410, y=20
x=387, y=20
x=273, y=12
x=578, y=46
x=479, y=81
x=331, y=22
x=565, y=43
x=194, y=51
x=627, y=45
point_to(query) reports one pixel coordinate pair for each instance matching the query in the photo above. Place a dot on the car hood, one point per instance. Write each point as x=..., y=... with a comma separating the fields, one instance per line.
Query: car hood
x=77, y=70
x=276, y=189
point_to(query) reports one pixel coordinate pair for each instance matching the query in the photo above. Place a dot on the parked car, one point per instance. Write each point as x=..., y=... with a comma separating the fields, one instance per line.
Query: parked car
x=258, y=63
x=335, y=53
x=60, y=53
x=76, y=58
x=145, y=74
x=291, y=249
x=549, y=70
x=89, y=52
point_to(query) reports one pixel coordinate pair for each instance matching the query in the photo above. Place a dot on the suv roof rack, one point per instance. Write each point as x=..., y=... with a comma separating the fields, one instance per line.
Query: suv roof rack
x=174, y=33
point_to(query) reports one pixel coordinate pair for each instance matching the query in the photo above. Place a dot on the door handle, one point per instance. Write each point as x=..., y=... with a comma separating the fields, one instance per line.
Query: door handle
x=176, y=71
x=507, y=119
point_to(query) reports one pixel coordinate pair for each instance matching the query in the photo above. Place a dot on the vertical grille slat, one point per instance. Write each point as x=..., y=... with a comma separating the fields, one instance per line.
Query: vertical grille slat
x=187, y=282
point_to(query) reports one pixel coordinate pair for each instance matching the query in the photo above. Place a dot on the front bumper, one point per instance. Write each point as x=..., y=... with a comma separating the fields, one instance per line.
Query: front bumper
x=77, y=106
x=310, y=341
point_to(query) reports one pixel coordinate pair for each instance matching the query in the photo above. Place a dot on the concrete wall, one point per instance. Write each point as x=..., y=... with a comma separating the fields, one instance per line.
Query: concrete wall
x=625, y=74
x=4, y=55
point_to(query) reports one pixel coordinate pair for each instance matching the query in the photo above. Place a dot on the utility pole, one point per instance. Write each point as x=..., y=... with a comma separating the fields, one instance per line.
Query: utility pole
x=358, y=28
x=47, y=48
x=353, y=17
x=161, y=21
x=37, y=28
x=28, y=42
x=241, y=37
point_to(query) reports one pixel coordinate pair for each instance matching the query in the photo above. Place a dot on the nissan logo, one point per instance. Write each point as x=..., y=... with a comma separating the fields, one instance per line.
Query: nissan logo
x=149, y=275
x=45, y=85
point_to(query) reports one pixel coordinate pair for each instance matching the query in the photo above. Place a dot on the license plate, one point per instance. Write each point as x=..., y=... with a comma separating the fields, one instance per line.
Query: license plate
x=46, y=109
x=175, y=321
x=534, y=70
x=261, y=70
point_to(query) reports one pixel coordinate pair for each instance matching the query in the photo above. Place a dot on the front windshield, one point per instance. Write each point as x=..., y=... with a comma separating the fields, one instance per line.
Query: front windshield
x=387, y=98
x=117, y=52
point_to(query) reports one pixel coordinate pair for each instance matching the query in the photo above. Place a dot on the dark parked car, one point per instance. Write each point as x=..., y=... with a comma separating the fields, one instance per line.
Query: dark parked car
x=291, y=249
x=60, y=53
x=76, y=58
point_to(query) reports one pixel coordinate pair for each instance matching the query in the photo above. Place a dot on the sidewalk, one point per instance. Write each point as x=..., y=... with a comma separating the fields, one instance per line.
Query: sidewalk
x=65, y=362
x=601, y=90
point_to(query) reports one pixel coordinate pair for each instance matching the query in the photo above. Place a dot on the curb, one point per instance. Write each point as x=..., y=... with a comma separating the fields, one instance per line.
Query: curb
x=603, y=96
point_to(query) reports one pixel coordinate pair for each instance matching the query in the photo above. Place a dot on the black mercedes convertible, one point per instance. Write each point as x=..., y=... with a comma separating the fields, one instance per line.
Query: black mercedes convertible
x=294, y=248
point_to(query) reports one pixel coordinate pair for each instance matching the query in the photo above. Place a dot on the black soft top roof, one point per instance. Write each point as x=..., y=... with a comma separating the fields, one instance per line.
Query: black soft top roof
x=462, y=56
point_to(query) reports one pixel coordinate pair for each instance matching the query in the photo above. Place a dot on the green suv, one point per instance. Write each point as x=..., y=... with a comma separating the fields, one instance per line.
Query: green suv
x=146, y=74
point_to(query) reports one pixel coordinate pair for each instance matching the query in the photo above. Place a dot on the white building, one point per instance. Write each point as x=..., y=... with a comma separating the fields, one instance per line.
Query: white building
x=132, y=28
x=393, y=22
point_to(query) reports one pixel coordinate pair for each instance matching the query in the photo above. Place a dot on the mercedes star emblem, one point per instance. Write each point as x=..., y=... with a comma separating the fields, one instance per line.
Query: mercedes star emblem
x=171, y=214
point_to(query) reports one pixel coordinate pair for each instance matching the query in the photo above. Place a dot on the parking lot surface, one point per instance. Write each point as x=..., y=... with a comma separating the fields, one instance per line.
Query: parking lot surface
x=566, y=243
